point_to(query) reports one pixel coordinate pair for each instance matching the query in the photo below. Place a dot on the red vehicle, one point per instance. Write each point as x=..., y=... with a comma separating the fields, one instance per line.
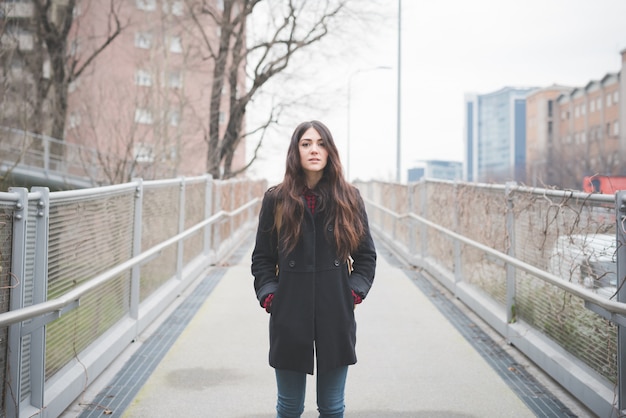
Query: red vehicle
x=604, y=184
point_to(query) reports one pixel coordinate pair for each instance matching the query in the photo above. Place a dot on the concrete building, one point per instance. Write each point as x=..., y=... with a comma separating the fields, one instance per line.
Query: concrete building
x=436, y=169
x=540, y=126
x=495, y=136
x=143, y=103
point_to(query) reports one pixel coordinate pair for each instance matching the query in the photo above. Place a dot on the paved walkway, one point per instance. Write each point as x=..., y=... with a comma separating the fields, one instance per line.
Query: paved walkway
x=414, y=360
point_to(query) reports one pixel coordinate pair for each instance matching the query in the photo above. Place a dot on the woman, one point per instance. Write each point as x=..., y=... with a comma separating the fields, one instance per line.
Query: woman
x=310, y=226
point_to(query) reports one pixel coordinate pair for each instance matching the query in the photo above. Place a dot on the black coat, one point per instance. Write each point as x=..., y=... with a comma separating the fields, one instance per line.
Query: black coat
x=313, y=306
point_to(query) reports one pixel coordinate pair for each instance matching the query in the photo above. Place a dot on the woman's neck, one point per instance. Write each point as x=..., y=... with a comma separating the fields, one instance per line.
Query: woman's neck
x=312, y=179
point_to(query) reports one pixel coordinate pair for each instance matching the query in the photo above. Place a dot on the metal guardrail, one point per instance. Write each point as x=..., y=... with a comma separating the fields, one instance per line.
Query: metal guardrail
x=610, y=306
x=79, y=286
x=72, y=298
x=441, y=226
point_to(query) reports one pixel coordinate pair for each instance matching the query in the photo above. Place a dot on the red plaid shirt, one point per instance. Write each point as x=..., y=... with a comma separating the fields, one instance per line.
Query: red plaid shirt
x=311, y=199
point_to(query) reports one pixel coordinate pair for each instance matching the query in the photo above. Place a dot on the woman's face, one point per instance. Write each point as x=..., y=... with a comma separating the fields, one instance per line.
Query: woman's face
x=313, y=152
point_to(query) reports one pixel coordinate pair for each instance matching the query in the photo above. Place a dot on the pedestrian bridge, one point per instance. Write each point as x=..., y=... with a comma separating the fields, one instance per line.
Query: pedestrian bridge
x=136, y=300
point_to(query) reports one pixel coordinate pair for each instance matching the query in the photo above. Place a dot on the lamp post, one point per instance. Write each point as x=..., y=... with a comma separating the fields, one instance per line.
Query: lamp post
x=365, y=70
x=399, y=109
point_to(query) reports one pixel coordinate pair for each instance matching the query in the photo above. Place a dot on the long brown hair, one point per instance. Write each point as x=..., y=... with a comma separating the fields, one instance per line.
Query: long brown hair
x=335, y=196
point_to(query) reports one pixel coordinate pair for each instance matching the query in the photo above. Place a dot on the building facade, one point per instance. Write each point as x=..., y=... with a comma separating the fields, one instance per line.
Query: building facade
x=541, y=113
x=575, y=132
x=495, y=136
x=143, y=104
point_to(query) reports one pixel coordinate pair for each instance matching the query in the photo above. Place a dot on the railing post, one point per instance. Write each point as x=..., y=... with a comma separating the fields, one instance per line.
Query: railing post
x=620, y=218
x=411, y=209
x=510, y=270
x=423, y=227
x=40, y=294
x=135, y=275
x=208, y=211
x=231, y=206
x=46, y=153
x=13, y=392
x=217, y=226
x=458, y=267
x=180, y=246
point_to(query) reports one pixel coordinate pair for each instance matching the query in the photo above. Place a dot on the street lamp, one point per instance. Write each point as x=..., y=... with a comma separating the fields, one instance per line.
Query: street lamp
x=365, y=70
x=399, y=97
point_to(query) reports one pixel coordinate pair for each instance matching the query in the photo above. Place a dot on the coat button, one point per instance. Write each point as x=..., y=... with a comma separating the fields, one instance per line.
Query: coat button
x=336, y=263
x=292, y=263
x=330, y=228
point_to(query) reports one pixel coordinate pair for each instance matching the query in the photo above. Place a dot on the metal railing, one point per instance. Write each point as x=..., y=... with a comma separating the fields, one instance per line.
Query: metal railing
x=83, y=273
x=65, y=165
x=540, y=266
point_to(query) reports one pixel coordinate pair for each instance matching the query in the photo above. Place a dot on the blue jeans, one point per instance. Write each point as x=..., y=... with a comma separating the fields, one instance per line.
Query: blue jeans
x=292, y=389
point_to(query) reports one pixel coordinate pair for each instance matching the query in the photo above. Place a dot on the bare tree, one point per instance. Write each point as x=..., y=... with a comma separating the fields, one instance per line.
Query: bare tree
x=583, y=155
x=291, y=27
x=141, y=122
x=59, y=35
x=48, y=46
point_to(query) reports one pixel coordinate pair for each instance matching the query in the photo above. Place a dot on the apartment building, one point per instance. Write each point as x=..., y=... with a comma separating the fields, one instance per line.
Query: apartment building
x=495, y=136
x=143, y=103
x=575, y=132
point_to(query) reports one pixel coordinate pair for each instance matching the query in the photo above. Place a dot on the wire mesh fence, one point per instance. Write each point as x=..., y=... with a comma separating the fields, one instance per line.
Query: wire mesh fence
x=89, y=234
x=567, y=234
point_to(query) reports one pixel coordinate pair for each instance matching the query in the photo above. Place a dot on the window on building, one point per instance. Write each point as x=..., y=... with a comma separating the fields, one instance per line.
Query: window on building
x=143, y=40
x=608, y=128
x=143, y=78
x=616, y=128
x=175, y=44
x=47, y=69
x=599, y=103
x=592, y=106
x=608, y=100
x=583, y=109
x=550, y=106
x=144, y=116
x=616, y=97
x=173, y=117
x=147, y=5
x=583, y=137
x=175, y=79
x=74, y=84
x=177, y=8
x=74, y=48
x=74, y=120
x=143, y=153
x=576, y=111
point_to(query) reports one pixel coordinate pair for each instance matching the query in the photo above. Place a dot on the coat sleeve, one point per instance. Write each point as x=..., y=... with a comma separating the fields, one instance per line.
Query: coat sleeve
x=265, y=253
x=364, y=264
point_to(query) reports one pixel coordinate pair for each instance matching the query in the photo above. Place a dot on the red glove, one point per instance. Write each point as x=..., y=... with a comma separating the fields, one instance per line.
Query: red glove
x=267, y=303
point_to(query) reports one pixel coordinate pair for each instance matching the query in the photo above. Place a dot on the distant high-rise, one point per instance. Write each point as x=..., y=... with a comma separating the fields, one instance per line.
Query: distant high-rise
x=495, y=136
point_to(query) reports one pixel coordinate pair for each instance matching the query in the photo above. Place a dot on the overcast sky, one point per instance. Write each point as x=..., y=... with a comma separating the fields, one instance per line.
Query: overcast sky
x=449, y=48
